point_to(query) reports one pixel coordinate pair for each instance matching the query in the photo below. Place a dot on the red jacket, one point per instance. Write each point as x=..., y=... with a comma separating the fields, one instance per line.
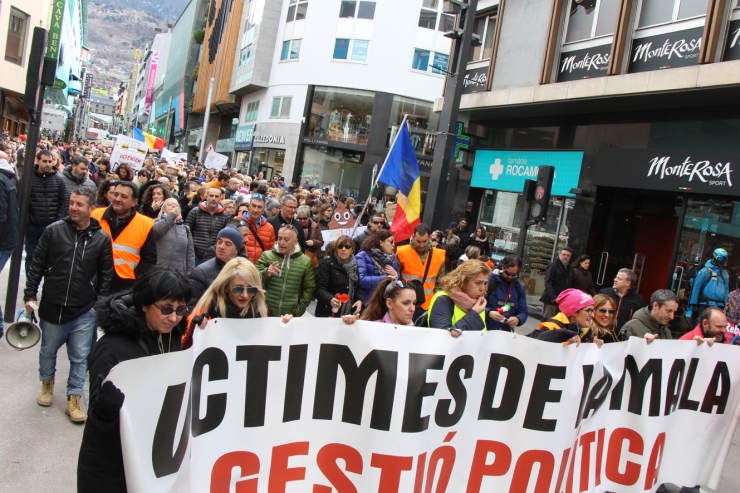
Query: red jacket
x=266, y=234
x=689, y=336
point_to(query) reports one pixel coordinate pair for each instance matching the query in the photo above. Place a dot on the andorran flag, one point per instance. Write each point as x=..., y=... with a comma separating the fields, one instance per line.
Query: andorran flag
x=401, y=170
x=152, y=141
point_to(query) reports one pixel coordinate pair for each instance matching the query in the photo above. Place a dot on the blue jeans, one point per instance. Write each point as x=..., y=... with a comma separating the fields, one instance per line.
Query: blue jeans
x=33, y=235
x=77, y=334
x=4, y=256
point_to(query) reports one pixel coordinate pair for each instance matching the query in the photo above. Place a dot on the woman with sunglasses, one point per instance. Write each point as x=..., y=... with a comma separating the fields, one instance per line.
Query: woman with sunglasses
x=138, y=324
x=376, y=261
x=505, y=292
x=312, y=234
x=603, y=324
x=393, y=302
x=461, y=305
x=572, y=324
x=336, y=275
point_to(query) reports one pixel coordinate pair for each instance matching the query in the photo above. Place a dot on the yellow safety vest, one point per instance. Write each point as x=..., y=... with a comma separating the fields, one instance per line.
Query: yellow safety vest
x=457, y=314
x=127, y=247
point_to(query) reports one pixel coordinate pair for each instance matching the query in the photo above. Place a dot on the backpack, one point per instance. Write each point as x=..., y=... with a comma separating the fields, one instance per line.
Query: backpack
x=713, y=277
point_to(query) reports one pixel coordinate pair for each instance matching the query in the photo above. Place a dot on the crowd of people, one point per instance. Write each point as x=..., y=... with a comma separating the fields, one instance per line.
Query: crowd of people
x=150, y=255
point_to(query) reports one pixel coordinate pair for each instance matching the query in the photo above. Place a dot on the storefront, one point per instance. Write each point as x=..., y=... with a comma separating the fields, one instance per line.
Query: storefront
x=243, y=147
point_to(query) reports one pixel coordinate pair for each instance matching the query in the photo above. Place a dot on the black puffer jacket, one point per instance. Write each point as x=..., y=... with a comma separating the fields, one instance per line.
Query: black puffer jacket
x=204, y=226
x=77, y=267
x=8, y=207
x=100, y=463
x=203, y=276
x=49, y=199
x=330, y=281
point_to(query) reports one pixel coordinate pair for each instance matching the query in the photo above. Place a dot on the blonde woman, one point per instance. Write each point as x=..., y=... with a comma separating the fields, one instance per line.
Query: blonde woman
x=175, y=250
x=235, y=293
x=461, y=305
x=603, y=324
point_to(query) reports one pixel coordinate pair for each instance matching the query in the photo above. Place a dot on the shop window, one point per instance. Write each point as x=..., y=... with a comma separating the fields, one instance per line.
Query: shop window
x=267, y=161
x=591, y=19
x=357, y=47
x=484, y=27
x=332, y=168
x=252, y=111
x=656, y=12
x=341, y=115
x=423, y=123
x=281, y=107
x=291, y=49
x=297, y=11
x=15, y=46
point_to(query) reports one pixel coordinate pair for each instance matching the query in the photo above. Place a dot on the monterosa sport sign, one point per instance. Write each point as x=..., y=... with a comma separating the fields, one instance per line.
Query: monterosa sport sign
x=686, y=170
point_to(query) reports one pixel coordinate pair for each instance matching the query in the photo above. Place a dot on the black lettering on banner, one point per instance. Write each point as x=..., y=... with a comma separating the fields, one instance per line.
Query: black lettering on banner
x=541, y=395
x=588, y=371
x=164, y=462
x=638, y=381
x=294, y=383
x=597, y=396
x=442, y=416
x=418, y=388
x=685, y=402
x=218, y=369
x=258, y=360
x=711, y=398
x=673, y=390
x=385, y=363
x=512, y=388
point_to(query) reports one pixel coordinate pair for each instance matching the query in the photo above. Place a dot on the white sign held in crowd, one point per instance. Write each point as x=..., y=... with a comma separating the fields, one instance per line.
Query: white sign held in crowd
x=334, y=234
x=167, y=154
x=215, y=160
x=319, y=406
x=128, y=150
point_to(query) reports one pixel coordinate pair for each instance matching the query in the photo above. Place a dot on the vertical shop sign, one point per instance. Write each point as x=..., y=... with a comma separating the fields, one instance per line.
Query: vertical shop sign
x=55, y=29
x=732, y=46
x=150, y=83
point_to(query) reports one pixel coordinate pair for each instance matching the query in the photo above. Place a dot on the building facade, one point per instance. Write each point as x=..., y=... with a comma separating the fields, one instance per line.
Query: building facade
x=150, y=75
x=101, y=104
x=636, y=106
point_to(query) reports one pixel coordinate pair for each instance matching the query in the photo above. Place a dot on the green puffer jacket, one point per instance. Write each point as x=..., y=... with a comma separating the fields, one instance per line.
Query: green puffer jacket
x=291, y=291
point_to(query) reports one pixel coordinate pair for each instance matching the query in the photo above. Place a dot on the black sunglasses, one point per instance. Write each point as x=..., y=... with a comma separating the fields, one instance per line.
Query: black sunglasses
x=508, y=274
x=346, y=246
x=395, y=285
x=168, y=310
x=378, y=222
x=604, y=311
x=251, y=290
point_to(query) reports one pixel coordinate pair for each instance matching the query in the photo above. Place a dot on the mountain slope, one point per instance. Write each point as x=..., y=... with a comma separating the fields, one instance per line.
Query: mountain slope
x=167, y=10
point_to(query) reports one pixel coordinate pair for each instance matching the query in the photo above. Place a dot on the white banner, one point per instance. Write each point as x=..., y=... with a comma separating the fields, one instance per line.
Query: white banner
x=215, y=160
x=319, y=406
x=128, y=150
x=330, y=235
x=167, y=154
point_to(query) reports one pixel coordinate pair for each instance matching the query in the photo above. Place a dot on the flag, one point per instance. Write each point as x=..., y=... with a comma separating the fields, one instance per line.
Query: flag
x=401, y=170
x=151, y=141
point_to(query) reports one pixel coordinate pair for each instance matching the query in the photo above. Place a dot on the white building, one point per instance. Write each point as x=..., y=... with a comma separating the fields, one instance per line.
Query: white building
x=325, y=85
x=53, y=120
x=150, y=75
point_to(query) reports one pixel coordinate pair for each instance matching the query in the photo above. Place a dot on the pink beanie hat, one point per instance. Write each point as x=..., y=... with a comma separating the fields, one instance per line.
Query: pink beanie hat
x=572, y=300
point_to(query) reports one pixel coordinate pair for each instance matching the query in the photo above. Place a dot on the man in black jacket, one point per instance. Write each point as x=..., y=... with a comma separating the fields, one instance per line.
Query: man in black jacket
x=75, y=258
x=205, y=221
x=49, y=201
x=558, y=278
x=288, y=206
x=625, y=296
x=8, y=215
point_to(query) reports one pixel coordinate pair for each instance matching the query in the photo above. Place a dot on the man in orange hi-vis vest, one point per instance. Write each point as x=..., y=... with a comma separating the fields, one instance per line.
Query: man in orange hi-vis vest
x=134, y=247
x=421, y=262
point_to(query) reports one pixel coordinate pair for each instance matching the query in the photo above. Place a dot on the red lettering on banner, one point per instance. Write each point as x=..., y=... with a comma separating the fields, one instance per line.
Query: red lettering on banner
x=445, y=454
x=563, y=464
x=391, y=467
x=421, y=464
x=599, y=453
x=569, y=481
x=247, y=462
x=635, y=445
x=586, y=441
x=280, y=473
x=480, y=468
x=523, y=471
x=656, y=458
x=327, y=462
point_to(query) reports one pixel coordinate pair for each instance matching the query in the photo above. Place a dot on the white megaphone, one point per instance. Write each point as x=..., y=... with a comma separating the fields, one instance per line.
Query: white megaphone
x=24, y=333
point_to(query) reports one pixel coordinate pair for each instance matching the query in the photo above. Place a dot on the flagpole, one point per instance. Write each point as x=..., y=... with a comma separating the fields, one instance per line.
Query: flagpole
x=373, y=185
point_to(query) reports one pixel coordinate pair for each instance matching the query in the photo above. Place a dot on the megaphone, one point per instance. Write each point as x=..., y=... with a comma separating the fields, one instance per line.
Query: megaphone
x=24, y=333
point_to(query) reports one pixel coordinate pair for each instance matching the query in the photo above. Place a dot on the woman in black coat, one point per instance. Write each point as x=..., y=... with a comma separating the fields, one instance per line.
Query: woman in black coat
x=582, y=278
x=337, y=274
x=136, y=325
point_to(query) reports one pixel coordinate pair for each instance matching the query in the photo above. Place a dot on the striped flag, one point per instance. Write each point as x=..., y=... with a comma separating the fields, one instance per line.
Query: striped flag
x=152, y=141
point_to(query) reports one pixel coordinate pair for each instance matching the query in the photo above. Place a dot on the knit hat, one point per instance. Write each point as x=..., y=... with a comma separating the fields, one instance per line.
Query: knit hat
x=572, y=300
x=271, y=204
x=232, y=234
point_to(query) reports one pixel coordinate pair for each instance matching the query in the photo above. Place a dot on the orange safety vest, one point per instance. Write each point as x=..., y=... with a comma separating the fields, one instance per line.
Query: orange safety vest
x=413, y=269
x=127, y=247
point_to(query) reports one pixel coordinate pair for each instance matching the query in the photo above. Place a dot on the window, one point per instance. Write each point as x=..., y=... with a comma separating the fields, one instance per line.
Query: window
x=359, y=50
x=366, y=10
x=281, y=107
x=16, y=42
x=591, y=19
x=428, y=19
x=422, y=120
x=357, y=47
x=341, y=48
x=291, y=49
x=252, y=111
x=446, y=23
x=342, y=115
x=297, y=10
x=430, y=61
x=421, y=60
x=347, y=9
x=484, y=27
x=430, y=4
x=654, y=12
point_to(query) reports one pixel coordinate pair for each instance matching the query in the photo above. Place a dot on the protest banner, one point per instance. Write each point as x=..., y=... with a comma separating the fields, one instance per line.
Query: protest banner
x=128, y=150
x=167, y=154
x=334, y=234
x=313, y=405
x=215, y=160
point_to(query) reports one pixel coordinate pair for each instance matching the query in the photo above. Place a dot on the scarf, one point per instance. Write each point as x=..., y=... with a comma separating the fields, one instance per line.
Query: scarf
x=350, y=268
x=380, y=260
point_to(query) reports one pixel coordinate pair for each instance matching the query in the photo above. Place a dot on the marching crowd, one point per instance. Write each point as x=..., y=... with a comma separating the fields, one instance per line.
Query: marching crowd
x=149, y=256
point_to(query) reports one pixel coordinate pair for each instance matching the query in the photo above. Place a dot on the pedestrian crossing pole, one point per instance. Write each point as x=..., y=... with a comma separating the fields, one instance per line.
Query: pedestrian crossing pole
x=40, y=75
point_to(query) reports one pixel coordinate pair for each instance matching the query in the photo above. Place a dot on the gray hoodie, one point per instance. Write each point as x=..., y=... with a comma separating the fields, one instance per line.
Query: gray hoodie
x=642, y=323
